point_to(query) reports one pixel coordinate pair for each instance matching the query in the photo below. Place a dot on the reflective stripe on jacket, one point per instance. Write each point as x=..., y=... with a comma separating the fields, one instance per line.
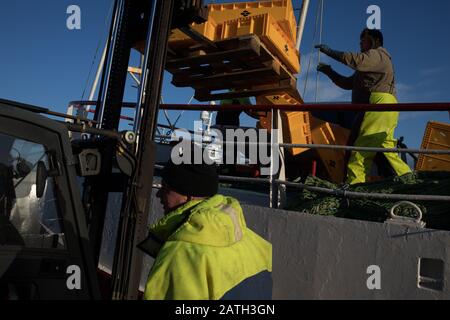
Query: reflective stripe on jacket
x=205, y=251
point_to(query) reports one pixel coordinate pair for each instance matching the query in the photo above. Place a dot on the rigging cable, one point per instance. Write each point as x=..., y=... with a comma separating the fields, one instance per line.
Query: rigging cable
x=96, y=53
x=318, y=51
x=312, y=50
x=182, y=112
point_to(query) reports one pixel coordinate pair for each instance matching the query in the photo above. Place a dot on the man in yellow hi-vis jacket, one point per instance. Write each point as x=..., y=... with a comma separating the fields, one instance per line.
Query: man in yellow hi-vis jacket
x=373, y=82
x=202, y=246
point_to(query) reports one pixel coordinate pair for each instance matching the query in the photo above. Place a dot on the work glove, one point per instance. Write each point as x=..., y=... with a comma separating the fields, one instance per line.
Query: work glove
x=337, y=55
x=324, y=68
x=323, y=48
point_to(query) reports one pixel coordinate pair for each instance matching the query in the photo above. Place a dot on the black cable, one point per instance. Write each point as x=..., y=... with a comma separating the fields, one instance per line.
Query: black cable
x=95, y=55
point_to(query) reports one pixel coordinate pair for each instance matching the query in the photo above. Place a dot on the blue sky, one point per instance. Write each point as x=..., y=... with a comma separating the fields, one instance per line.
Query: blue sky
x=44, y=63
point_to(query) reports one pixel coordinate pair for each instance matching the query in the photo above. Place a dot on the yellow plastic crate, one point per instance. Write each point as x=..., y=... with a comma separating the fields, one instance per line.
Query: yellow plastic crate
x=281, y=11
x=272, y=21
x=437, y=137
x=300, y=127
x=270, y=33
x=178, y=39
x=298, y=132
x=295, y=124
x=334, y=160
x=295, y=128
x=207, y=29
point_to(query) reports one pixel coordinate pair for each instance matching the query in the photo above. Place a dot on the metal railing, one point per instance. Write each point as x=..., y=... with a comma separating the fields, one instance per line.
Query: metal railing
x=277, y=185
x=277, y=197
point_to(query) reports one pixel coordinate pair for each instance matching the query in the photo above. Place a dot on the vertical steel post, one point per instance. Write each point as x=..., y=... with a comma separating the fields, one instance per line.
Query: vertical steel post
x=277, y=191
x=301, y=23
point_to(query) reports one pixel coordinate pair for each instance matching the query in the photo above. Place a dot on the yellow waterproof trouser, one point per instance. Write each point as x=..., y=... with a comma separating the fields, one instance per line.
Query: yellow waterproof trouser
x=377, y=130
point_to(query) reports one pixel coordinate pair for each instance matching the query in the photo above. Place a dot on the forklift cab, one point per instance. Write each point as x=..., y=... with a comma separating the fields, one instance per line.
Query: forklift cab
x=47, y=248
x=44, y=253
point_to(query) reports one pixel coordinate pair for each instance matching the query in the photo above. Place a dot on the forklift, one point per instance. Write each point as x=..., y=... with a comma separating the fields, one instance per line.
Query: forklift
x=54, y=191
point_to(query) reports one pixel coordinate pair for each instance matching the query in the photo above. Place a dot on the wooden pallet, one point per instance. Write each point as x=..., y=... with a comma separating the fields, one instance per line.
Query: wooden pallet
x=243, y=64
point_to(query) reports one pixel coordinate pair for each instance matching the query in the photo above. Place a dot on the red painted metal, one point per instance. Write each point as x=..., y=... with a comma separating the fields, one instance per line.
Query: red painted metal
x=444, y=106
x=434, y=106
x=314, y=168
x=93, y=111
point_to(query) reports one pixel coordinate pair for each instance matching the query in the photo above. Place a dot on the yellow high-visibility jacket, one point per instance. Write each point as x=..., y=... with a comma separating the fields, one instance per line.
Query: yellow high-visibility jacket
x=205, y=251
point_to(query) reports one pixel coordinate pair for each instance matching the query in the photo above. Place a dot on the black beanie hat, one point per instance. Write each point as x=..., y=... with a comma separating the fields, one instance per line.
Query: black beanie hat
x=196, y=180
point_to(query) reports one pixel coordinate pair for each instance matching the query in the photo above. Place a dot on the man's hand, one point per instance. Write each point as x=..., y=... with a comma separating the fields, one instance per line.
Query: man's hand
x=323, y=48
x=324, y=68
x=336, y=55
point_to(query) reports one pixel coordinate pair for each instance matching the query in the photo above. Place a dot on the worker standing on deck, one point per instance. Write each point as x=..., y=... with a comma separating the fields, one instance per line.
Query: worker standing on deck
x=373, y=82
x=229, y=119
x=203, y=248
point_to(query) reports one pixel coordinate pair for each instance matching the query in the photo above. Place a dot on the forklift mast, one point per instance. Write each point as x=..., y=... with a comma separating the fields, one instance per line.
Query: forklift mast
x=133, y=22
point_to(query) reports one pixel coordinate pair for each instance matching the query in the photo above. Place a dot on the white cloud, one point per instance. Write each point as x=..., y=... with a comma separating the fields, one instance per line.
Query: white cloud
x=404, y=87
x=406, y=92
x=411, y=115
x=416, y=93
x=429, y=72
x=327, y=90
x=427, y=78
x=310, y=61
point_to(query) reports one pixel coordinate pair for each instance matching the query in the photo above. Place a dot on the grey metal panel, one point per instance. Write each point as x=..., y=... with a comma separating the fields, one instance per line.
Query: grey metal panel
x=317, y=257
x=34, y=118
